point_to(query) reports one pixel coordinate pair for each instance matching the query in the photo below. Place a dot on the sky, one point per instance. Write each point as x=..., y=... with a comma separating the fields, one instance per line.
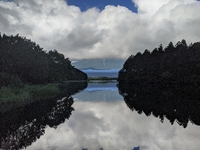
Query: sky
x=83, y=29
x=101, y=4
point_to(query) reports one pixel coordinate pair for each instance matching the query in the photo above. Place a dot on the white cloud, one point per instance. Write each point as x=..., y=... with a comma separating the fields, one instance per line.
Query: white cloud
x=112, y=32
x=113, y=126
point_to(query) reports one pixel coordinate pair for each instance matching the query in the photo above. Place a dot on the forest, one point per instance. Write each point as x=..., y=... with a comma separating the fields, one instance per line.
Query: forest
x=22, y=61
x=178, y=64
x=164, y=83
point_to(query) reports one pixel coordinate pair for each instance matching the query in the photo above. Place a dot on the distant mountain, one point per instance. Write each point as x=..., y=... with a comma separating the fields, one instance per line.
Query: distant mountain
x=98, y=64
x=101, y=72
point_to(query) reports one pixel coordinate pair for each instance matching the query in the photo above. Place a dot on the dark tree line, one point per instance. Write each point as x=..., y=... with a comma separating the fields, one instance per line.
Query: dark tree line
x=20, y=127
x=174, y=103
x=24, y=126
x=164, y=82
x=179, y=63
x=24, y=61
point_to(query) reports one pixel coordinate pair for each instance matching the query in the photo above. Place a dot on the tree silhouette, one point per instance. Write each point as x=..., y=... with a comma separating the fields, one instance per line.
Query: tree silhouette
x=24, y=61
x=22, y=126
x=179, y=64
x=174, y=102
x=164, y=83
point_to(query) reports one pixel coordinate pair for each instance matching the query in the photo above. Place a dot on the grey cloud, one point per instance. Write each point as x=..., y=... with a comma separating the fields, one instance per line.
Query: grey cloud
x=4, y=22
x=12, y=22
x=113, y=32
x=81, y=38
x=80, y=41
x=8, y=17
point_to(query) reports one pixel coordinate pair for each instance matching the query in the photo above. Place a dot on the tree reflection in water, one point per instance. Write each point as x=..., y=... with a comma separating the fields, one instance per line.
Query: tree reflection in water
x=25, y=125
x=172, y=101
x=21, y=127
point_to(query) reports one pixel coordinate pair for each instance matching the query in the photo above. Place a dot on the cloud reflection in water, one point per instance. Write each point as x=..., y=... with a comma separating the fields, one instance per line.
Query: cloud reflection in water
x=113, y=126
x=99, y=92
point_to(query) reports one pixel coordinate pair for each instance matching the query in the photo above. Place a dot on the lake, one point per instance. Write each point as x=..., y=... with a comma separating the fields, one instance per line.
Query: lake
x=96, y=118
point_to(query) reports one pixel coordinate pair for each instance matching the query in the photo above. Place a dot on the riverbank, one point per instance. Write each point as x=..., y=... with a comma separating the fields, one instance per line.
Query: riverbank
x=12, y=97
x=28, y=92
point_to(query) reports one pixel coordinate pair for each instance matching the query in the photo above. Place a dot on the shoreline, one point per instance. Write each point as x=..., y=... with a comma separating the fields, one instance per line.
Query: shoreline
x=27, y=92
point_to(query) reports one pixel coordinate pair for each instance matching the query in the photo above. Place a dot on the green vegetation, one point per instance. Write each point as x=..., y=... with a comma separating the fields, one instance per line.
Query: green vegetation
x=102, y=78
x=28, y=93
x=164, y=83
x=175, y=64
x=23, y=62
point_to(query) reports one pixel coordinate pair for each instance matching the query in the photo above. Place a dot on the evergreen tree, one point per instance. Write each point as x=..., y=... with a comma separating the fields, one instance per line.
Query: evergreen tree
x=24, y=61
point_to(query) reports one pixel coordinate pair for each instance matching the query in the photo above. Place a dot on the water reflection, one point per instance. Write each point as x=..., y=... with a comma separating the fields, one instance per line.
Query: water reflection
x=108, y=125
x=21, y=127
x=112, y=126
x=99, y=91
x=96, y=124
x=175, y=102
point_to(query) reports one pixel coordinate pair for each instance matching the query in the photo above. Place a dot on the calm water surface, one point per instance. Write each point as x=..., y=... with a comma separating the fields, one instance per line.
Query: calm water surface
x=101, y=120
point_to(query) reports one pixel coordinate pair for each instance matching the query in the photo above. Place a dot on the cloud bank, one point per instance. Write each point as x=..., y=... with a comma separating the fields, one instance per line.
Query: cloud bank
x=114, y=32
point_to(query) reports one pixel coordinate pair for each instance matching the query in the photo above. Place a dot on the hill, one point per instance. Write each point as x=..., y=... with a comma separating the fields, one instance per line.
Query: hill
x=22, y=61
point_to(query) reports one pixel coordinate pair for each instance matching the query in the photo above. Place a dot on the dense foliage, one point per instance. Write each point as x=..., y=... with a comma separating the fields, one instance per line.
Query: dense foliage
x=175, y=103
x=22, y=126
x=28, y=123
x=24, y=61
x=164, y=82
x=180, y=64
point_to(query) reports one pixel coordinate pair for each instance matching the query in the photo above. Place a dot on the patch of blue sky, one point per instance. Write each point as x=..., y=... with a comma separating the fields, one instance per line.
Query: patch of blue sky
x=101, y=4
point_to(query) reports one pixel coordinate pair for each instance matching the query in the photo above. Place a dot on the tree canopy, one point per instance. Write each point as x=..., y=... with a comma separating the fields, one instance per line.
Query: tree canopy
x=164, y=82
x=24, y=61
x=179, y=63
